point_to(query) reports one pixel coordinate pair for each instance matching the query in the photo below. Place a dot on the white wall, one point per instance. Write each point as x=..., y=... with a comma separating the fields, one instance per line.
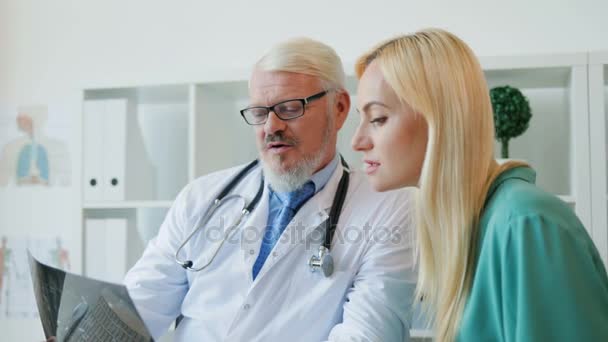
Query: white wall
x=50, y=50
x=64, y=44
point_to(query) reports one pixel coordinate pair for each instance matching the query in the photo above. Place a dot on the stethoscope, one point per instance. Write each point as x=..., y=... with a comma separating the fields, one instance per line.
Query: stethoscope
x=321, y=261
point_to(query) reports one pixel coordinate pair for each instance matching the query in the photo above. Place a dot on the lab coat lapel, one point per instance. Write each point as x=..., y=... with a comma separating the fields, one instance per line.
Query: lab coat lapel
x=253, y=229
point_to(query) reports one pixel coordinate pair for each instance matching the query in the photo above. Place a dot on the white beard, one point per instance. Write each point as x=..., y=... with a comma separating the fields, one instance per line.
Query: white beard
x=293, y=179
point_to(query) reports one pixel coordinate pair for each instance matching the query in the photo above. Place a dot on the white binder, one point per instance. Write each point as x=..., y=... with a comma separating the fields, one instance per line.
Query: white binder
x=115, y=149
x=94, y=247
x=106, y=249
x=92, y=149
x=104, y=153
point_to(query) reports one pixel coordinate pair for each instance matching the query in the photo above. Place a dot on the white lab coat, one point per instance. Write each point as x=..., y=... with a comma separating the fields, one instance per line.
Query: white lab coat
x=368, y=297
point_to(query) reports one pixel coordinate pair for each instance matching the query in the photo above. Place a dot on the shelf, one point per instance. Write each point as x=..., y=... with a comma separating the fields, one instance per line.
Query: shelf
x=541, y=61
x=218, y=122
x=143, y=132
x=532, y=71
x=118, y=227
x=128, y=205
x=567, y=198
x=555, y=87
x=598, y=57
x=154, y=94
x=536, y=78
x=421, y=333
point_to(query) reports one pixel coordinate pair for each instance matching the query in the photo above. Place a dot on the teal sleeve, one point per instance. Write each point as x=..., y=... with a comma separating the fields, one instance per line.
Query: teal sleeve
x=554, y=284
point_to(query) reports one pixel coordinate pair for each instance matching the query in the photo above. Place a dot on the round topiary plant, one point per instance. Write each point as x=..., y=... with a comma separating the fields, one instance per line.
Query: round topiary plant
x=511, y=115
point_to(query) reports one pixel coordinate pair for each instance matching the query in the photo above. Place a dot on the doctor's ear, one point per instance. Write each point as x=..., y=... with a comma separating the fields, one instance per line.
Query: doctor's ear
x=341, y=107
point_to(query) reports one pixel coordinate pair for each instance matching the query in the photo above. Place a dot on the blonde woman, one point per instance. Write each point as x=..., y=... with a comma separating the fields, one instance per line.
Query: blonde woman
x=500, y=259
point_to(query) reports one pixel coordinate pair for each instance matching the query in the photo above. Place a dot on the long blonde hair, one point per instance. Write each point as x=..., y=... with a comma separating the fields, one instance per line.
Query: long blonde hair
x=438, y=75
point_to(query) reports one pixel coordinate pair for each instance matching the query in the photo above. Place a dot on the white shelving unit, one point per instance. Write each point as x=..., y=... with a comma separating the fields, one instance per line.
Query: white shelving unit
x=188, y=130
x=128, y=205
x=142, y=224
x=556, y=143
x=156, y=165
x=221, y=139
x=598, y=116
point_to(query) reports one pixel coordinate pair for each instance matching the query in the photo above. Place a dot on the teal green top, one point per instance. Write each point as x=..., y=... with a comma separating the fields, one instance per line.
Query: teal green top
x=539, y=276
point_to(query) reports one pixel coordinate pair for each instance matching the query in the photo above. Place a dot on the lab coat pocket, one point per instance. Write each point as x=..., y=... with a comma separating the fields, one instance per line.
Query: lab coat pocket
x=323, y=292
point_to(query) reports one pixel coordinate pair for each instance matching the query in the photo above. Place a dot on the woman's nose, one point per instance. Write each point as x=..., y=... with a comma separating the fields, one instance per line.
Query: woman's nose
x=360, y=141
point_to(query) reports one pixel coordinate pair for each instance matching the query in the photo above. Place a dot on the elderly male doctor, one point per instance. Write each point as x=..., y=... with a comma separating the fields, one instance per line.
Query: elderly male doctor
x=259, y=286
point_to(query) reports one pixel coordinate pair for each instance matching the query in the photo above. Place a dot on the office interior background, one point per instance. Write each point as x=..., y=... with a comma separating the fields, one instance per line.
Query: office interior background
x=176, y=74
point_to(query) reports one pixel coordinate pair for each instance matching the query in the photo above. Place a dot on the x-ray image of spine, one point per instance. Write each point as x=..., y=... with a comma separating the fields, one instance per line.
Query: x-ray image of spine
x=34, y=158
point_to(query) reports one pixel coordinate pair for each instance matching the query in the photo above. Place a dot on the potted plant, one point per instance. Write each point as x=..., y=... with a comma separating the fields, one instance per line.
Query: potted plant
x=511, y=115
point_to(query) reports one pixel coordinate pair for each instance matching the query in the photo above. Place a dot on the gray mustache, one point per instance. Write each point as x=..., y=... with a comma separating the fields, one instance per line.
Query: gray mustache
x=278, y=137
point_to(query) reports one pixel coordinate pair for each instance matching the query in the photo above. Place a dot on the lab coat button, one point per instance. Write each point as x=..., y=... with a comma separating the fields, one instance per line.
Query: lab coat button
x=246, y=307
x=251, y=251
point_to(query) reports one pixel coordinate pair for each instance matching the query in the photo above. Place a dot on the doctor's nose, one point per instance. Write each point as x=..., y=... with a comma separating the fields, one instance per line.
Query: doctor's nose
x=274, y=124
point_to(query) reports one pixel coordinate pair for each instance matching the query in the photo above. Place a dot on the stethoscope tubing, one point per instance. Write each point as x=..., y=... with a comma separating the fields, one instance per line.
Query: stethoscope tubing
x=223, y=197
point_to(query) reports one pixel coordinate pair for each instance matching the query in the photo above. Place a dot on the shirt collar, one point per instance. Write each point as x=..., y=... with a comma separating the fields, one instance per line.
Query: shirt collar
x=321, y=177
x=520, y=172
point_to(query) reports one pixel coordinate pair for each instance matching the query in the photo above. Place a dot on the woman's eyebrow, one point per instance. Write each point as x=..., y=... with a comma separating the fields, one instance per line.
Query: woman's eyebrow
x=372, y=103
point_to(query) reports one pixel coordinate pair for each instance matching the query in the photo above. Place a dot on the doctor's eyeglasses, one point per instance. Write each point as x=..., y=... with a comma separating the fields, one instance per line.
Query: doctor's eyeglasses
x=285, y=110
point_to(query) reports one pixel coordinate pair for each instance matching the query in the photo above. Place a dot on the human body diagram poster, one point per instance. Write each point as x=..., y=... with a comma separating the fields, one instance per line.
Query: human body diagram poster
x=16, y=292
x=33, y=149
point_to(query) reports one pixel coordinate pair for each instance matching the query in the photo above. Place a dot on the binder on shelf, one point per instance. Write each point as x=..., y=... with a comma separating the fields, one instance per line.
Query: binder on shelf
x=94, y=248
x=116, y=249
x=104, y=154
x=92, y=149
x=106, y=249
x=115, y=148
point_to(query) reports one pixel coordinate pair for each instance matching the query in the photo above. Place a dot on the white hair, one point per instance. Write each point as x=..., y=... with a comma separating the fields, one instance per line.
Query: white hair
x=305, y=56
x=309, y=57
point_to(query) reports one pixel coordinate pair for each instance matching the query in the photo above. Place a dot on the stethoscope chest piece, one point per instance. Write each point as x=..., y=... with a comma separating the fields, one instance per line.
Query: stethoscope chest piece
x=322, y=261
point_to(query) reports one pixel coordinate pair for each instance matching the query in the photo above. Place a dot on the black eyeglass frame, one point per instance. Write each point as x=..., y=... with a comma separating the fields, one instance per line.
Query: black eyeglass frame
x=304, y=102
